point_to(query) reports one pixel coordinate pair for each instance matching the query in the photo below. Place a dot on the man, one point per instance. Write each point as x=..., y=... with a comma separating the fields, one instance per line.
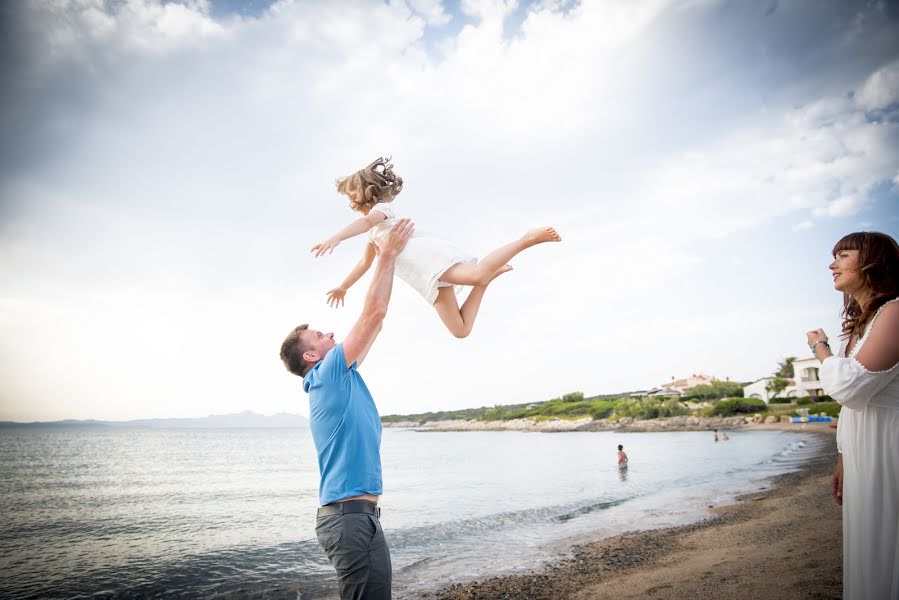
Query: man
x=346, y=429
x=622, y=457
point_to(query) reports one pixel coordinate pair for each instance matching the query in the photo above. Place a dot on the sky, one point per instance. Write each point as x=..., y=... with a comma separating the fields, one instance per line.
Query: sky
x=166, y=167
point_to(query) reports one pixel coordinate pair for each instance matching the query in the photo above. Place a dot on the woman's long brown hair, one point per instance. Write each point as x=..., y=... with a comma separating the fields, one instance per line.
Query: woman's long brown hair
x=878, y=268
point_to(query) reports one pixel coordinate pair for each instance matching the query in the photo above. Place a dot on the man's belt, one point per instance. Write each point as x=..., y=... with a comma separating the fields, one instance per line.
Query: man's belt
x=350, y=506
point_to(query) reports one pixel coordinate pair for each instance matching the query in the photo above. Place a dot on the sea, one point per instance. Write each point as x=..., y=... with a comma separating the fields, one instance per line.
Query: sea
x=230, y=513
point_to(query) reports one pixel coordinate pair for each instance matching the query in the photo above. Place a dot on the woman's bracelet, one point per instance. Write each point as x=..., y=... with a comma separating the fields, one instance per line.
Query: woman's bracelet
x=815, y=345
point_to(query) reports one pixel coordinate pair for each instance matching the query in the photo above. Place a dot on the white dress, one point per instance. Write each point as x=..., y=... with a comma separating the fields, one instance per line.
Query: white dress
x=868, y=437
x=424, y=259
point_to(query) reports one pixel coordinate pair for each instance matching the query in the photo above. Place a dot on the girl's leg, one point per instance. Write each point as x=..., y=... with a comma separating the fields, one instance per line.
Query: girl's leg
x=460, y=321
x=483, y=272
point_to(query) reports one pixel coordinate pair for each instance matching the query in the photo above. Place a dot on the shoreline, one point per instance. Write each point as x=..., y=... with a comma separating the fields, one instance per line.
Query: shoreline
x=782, y=542
x=625, y=425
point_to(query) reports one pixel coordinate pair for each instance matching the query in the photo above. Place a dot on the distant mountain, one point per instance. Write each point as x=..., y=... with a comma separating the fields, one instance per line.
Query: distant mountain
x=246, y=419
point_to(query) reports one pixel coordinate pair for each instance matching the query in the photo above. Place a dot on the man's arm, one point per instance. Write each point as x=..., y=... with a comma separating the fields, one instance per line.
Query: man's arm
x=360, y=338
x=365, y=350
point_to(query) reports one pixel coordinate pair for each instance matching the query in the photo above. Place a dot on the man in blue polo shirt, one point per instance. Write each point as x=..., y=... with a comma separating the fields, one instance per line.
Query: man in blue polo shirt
x=346, y=429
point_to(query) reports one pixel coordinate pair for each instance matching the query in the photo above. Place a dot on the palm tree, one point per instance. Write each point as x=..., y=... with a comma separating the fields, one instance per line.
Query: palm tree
x=785, y=368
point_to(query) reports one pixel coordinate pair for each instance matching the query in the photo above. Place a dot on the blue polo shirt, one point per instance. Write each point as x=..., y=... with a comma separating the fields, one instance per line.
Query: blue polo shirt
x=346, y=429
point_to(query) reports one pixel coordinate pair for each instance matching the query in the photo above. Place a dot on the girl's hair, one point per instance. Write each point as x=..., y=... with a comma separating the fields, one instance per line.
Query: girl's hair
x=878, y=268
x=377, y=182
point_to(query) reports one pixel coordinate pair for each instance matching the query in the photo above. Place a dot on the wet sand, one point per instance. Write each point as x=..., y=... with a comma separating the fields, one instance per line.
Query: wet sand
x=783, y=542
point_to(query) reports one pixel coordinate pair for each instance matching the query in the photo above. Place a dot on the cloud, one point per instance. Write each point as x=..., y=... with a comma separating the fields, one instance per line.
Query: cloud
x=432, y=11
x=881, y=89
x=803, y=226
x=843, y=206
x=82, y=29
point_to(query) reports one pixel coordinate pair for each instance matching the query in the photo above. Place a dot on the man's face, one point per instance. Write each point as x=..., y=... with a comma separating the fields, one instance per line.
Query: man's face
x=318, y=344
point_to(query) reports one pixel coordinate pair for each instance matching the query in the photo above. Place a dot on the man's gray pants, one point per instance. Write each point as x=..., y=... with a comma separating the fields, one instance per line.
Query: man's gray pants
x=356, y=546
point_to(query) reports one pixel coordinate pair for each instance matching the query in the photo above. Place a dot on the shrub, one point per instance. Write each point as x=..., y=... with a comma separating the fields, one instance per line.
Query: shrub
x=831, y=409
x=804, y=400
x=715, y=390
x=822, y=398
x=649, y=408
x=731, y=406
x=779, y=400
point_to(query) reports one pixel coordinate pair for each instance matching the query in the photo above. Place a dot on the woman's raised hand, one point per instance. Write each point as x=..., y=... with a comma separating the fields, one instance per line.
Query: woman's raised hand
x=327, y=246
x=335, y=297
x=815, y=335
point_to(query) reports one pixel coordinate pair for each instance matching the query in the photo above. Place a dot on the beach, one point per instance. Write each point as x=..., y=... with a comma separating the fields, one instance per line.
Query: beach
x=782, y=542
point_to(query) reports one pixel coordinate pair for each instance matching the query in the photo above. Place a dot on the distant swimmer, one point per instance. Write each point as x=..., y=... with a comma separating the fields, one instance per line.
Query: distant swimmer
x=724, y=436
x=716, y=435
x=622, y=457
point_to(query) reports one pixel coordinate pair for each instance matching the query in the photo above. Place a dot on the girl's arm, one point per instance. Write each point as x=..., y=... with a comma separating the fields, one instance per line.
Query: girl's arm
x=335, y=296
x=360, y=225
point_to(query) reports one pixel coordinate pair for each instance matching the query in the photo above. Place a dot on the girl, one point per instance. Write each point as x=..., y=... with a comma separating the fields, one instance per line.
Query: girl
x=432, y=266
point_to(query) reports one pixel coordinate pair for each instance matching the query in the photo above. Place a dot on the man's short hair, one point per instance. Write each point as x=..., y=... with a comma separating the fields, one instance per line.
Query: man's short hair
x=292, y=349
x=620, y=447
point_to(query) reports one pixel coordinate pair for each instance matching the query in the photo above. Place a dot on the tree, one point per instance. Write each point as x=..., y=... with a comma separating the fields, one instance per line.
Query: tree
x=785, y=368
x=573, y=397
x=776, y=386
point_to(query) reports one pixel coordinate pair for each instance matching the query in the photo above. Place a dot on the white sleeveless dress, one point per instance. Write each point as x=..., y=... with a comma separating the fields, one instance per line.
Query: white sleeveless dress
x=868, y=437
x=424, y=259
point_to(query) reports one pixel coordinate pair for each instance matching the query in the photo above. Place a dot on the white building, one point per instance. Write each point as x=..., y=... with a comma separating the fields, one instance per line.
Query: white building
x=677, y=387
x=805, y=382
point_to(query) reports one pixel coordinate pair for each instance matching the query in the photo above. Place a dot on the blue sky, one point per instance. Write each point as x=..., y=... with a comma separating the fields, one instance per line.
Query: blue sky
x=167, y=166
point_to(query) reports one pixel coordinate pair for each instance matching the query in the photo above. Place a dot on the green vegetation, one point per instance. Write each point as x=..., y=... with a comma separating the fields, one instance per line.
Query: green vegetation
x=831, y=409
x=714, y=391
x=444, y=415
x=574, y=405
x=785, y=368
x=776, y=386
x=566, y=407
x=648, y=408
x=732, y=406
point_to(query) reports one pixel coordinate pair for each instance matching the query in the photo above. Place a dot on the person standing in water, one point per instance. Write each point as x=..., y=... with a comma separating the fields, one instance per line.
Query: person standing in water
x=622, y=457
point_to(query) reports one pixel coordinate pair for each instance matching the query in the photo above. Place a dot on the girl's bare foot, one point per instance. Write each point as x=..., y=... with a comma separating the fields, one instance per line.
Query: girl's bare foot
x=503, y=269
x=540, y=235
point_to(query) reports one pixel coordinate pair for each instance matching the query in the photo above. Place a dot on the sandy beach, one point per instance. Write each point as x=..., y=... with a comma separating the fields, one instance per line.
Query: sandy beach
x=783, y=542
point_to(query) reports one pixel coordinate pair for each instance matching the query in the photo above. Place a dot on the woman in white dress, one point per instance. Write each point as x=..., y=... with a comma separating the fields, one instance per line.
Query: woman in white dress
x=434, y=267
x=862, y=378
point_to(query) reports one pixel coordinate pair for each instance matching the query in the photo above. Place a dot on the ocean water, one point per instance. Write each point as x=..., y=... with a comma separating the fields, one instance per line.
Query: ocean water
x=231, y=513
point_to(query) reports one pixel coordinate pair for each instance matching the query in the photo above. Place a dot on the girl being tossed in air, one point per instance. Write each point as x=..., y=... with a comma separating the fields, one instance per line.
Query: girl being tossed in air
x=431, y=265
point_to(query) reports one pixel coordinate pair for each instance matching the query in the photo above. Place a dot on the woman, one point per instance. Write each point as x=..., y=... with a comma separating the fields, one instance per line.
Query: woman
x=862, y=378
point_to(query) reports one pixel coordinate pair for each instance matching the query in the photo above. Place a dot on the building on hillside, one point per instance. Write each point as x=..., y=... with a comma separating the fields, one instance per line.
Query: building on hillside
x=662, y=391
x=806, y=382
x=687, y=382
x=677, y=387
x=759, y=389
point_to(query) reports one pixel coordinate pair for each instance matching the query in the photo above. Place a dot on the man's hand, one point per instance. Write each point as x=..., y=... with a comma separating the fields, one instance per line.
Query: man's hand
x=327, y=246
x=335, y=297
x=836, y=482
x=396, y=240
